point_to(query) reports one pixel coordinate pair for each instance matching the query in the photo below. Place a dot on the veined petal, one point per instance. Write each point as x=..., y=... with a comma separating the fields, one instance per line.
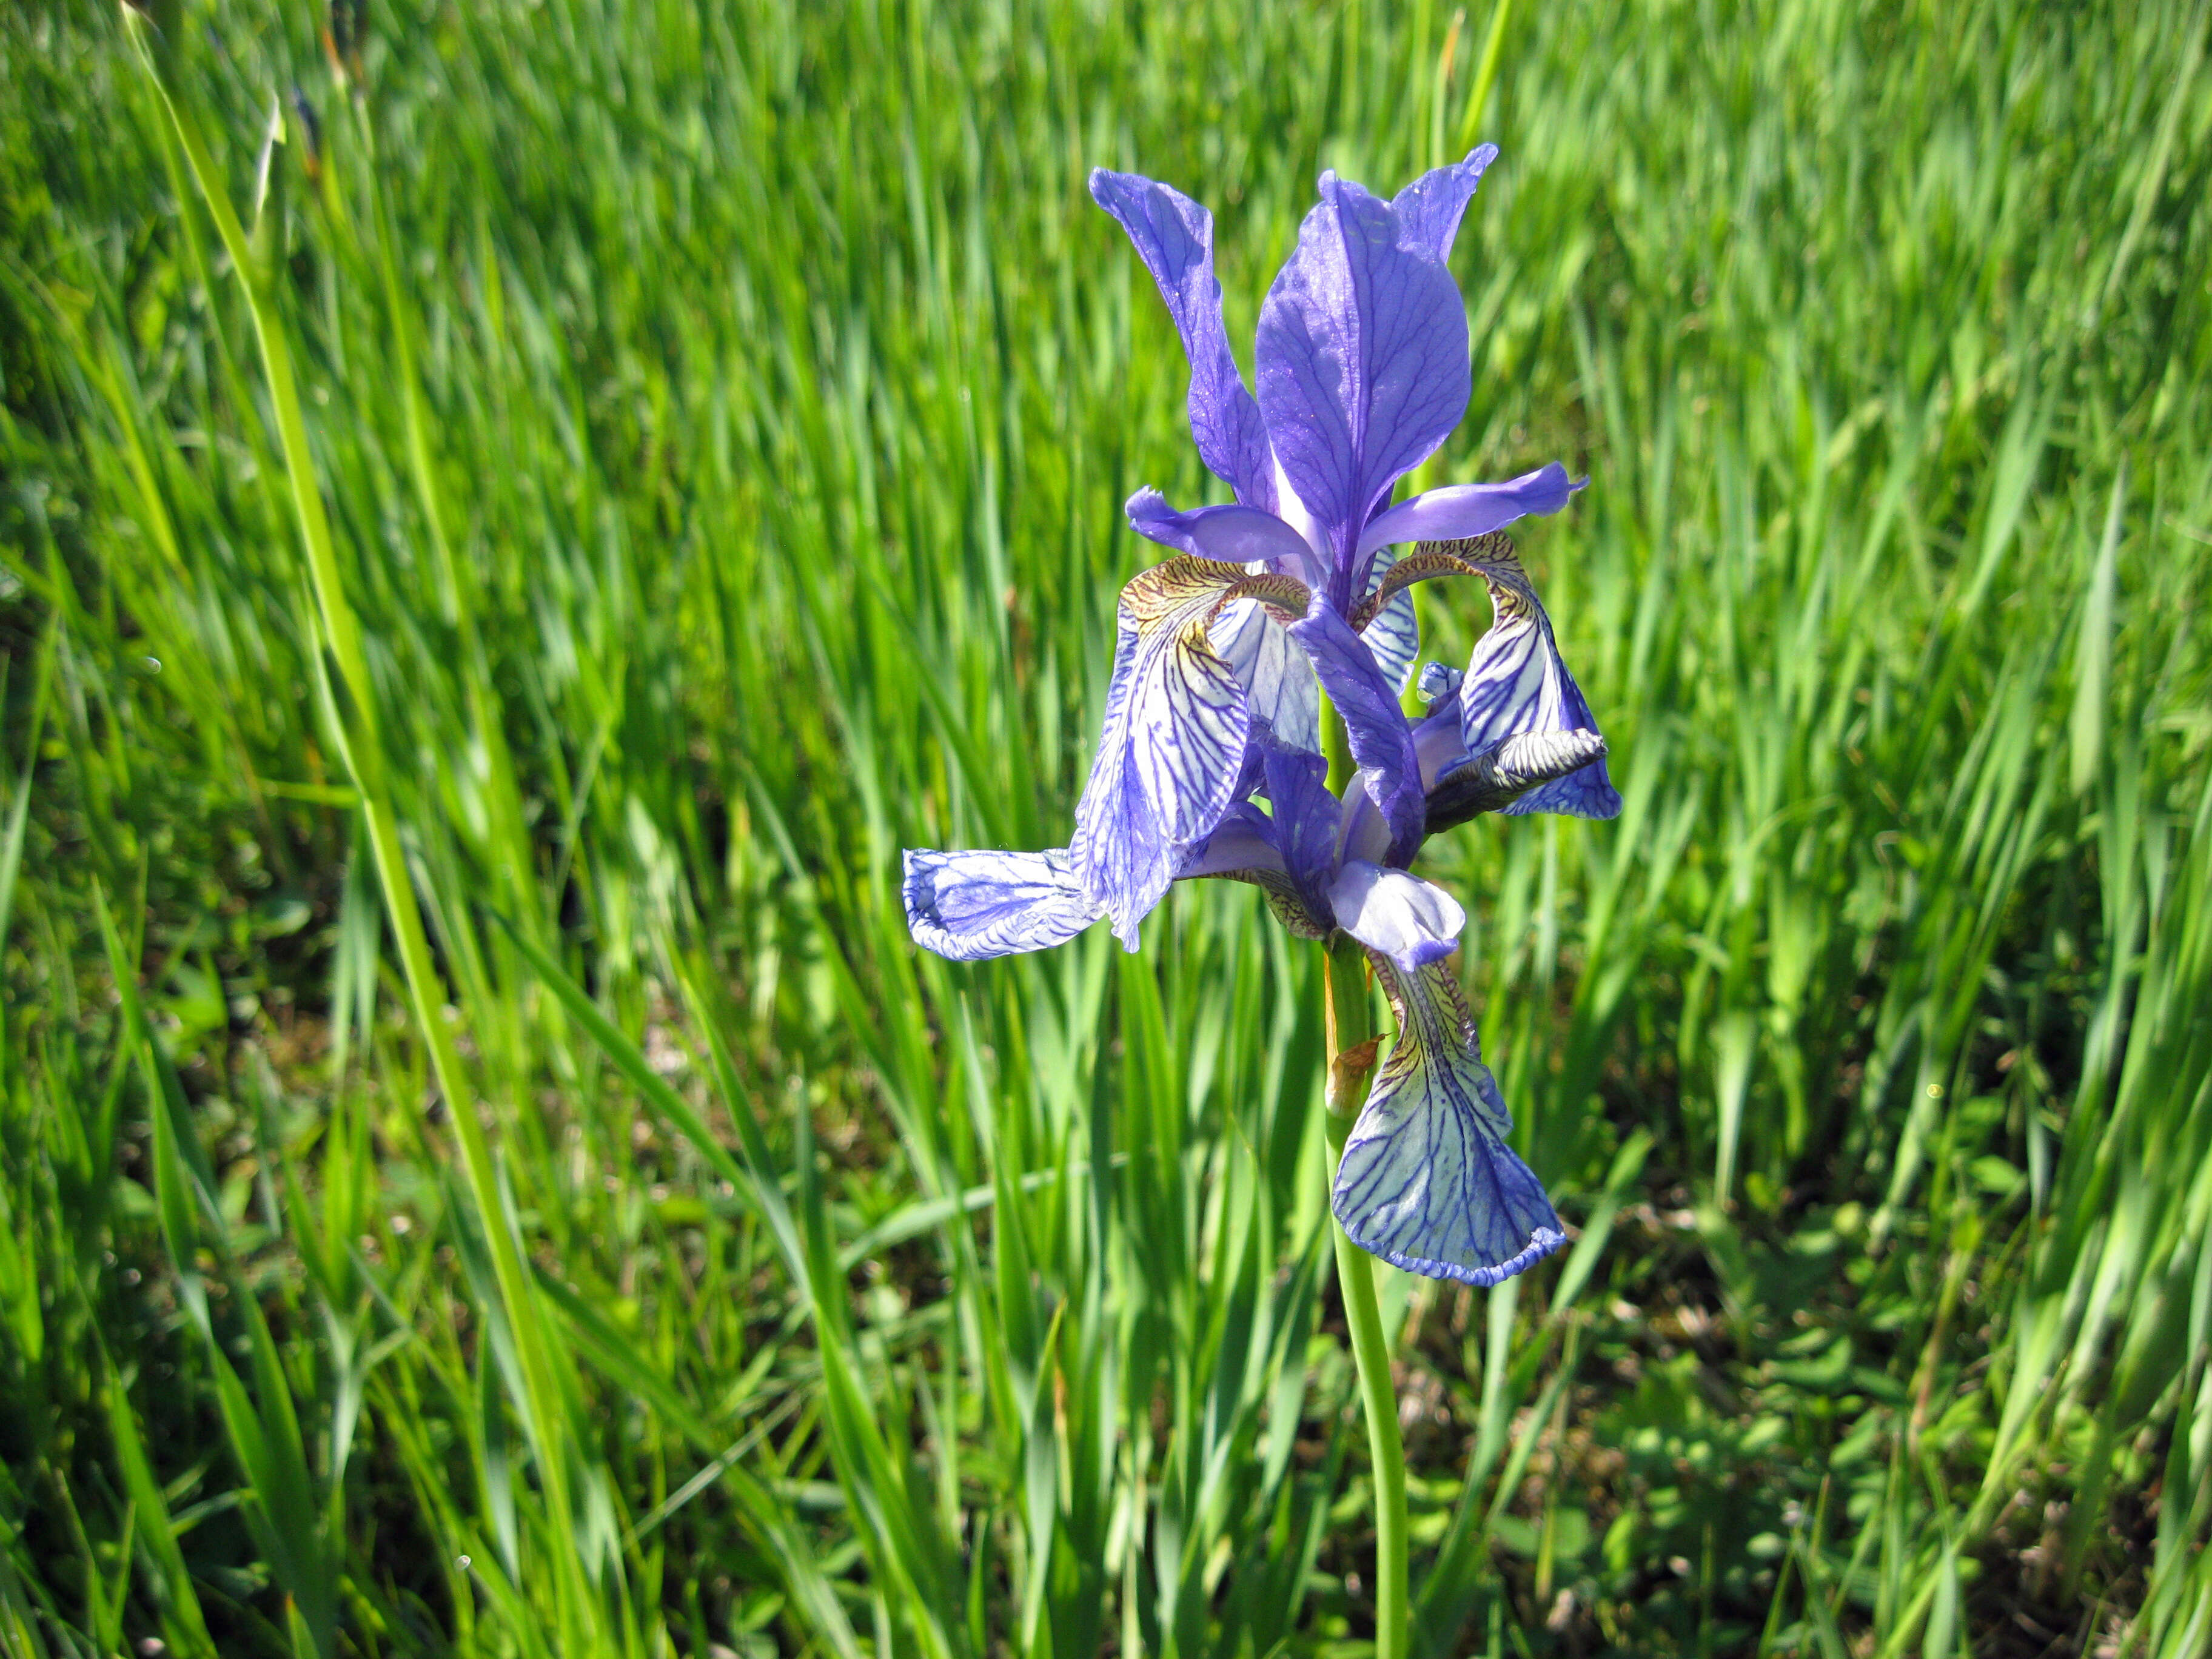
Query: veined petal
x=1174, y=236
x=1169, y=760
x=1412, y=921
x=1362, y=364
x=1458, y=512
x=1306, y=819
x=1429, y=209
x=1427, y=1181
x=1246, y=847
x=1503, y=775
x=1235, y=535
x=1278, y=681
x=1516, y=684
x=1382, y=741
x=1393, y=633
x=969, y=906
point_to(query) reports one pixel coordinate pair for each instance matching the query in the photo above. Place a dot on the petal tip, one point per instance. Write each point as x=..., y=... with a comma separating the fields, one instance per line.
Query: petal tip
x=1542, y=1241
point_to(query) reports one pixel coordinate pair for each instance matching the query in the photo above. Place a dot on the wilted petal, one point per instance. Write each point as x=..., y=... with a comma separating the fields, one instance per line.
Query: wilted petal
x=1382, y=741
x=1412, y=921
x=1429, y=209
x=969, y=906
x=1174, y=236
x=1173, y=746
x=1427, y=1181
x=1362, y=359
x=1458, y=512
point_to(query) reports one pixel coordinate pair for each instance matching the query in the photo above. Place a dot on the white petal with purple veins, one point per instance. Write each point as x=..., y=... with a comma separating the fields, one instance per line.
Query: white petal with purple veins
x=1427, y=1181
x=969, y=906
x=1278, y=680
x=1169, y=760
x=1517, y=683
x=1394, y=637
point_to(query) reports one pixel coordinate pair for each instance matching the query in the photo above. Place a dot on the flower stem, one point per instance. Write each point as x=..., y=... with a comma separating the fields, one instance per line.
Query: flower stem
x=1352, y=1042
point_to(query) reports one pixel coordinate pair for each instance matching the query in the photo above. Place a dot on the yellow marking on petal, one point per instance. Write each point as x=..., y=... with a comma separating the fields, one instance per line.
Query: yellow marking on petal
x=1490, y=558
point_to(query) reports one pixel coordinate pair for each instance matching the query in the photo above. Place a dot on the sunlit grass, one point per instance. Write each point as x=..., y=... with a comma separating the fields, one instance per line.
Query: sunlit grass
x=722, y=420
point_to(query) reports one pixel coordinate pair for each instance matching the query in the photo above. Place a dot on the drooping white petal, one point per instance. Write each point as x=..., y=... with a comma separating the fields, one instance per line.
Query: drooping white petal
x=1427, y=1181
x=1173, y=747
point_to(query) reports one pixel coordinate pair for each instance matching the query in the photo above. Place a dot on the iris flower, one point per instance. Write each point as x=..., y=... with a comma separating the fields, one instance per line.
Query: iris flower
x=1300, y=587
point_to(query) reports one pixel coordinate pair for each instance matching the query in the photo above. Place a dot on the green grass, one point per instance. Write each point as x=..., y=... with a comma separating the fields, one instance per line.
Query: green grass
x=721, y=419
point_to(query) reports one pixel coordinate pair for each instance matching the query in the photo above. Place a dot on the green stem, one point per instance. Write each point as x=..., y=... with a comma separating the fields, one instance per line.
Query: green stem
x=1351, y=1060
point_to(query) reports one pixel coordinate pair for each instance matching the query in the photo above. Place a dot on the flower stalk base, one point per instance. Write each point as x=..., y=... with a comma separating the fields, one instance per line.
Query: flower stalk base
x=1352, y=1045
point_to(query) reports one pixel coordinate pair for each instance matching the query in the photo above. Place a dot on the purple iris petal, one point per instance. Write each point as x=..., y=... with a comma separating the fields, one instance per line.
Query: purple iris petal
x=1429, y=209
x=1174, y=236
x=1427, y=1181
x=1458, y=511
x=1172, y=751
x=1412, y=921
x=1382, y=740
x=1235, y=535
x=969, y=906
x=1394, y=637
x=1244, y=840
x=1305, y=823
x=1516, y=682
x=1363, y=833
x=1361, y=361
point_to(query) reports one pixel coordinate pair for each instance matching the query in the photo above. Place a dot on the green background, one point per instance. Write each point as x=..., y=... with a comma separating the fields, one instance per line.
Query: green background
x=722, y=416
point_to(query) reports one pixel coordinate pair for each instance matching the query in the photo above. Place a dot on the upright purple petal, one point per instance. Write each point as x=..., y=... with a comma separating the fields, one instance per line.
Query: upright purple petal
x=1174, y=236
x=1427, y=1181
x=1362, y=364
x=969, y=906
x=1429, y=209
x=1381, y=739
x=1457, y=512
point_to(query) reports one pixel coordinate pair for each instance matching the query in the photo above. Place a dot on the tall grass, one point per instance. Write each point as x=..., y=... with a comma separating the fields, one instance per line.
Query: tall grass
x=718, y=419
